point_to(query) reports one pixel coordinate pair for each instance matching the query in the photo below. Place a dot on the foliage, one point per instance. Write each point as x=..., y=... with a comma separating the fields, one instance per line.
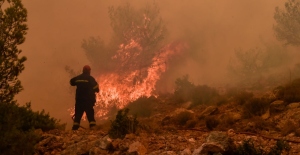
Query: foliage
x=255, y=107
x=292, y=91
x=123, y=124
x=280, y=146
x=252, y=68
x=12, y=34
x=183, y=89
x=182, y=118
x=248, y=148
x=211, y=122
x=289, y=93
x=19, y=122
x=98, y=53
x=203, y=94
x=133, y=29
x=287, y=26
x=198, y=94
x=142, y=107
x=242, y=97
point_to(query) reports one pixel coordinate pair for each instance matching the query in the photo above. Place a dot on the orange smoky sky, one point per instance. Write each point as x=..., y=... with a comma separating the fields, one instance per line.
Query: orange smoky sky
x=57, y=29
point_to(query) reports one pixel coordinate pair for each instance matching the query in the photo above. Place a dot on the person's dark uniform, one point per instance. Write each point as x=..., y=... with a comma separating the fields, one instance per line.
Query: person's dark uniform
x=85, y=96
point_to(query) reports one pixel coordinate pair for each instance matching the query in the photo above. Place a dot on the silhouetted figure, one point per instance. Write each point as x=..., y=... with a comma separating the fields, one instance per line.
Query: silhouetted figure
x=85, y=96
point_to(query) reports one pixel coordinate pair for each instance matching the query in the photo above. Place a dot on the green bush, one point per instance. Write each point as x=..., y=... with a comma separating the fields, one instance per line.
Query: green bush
x=19, y=122
x=142, y=107
x=123, y=124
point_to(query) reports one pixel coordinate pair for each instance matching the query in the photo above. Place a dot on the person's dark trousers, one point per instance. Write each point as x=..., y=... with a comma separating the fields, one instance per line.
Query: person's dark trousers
x=80, y=108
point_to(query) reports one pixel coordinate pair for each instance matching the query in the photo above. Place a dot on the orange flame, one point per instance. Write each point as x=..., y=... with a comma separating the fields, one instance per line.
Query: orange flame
x=118, y=89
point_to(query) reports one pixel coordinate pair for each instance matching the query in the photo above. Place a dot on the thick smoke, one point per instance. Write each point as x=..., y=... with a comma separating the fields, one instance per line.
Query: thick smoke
x=212, y=29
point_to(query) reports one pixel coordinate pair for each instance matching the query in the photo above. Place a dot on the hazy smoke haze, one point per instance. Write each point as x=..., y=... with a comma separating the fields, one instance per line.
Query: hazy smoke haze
x=57, y=28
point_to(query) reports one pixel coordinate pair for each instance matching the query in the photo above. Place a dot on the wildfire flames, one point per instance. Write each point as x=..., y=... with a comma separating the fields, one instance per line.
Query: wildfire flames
x=137, y=70
x=118, y=89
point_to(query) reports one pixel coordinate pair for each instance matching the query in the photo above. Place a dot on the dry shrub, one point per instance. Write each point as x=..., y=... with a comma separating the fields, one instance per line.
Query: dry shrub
x=255, y=107
x=292, y=91
x=288, y=128
x=123, y=124
x=227, y=121
x=186, y=91
x=242, y=97
x=203, y=94
x=297, y=132
x=279, y=92
x=191, y=124
x=257, y=124
x=182, y=118
x=142, y=107
x=211, y=122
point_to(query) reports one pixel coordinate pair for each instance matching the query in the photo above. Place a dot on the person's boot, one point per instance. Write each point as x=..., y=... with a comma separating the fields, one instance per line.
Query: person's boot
x=92, y=125
x=75, y=126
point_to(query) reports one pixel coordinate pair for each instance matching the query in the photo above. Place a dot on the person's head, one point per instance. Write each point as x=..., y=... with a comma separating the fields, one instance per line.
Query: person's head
x=86, y=69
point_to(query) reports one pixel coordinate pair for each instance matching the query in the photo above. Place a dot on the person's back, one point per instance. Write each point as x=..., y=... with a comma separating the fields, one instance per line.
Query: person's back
x=85, y=96
x=85, y=91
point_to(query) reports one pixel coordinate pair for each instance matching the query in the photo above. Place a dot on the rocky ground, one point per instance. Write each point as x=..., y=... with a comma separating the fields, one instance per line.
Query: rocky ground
x=160, y=134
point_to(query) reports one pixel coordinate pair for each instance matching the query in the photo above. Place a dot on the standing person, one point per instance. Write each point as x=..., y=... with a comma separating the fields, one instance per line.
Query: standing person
x=85, y=96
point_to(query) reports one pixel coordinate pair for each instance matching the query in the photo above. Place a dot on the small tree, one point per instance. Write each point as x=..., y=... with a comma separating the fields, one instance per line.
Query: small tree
x=251, y=67
x=12, y=31
x=287, y=26
x=136, y=38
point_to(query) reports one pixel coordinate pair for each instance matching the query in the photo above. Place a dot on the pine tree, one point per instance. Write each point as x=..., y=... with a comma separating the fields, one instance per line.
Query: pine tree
x=13, y=28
